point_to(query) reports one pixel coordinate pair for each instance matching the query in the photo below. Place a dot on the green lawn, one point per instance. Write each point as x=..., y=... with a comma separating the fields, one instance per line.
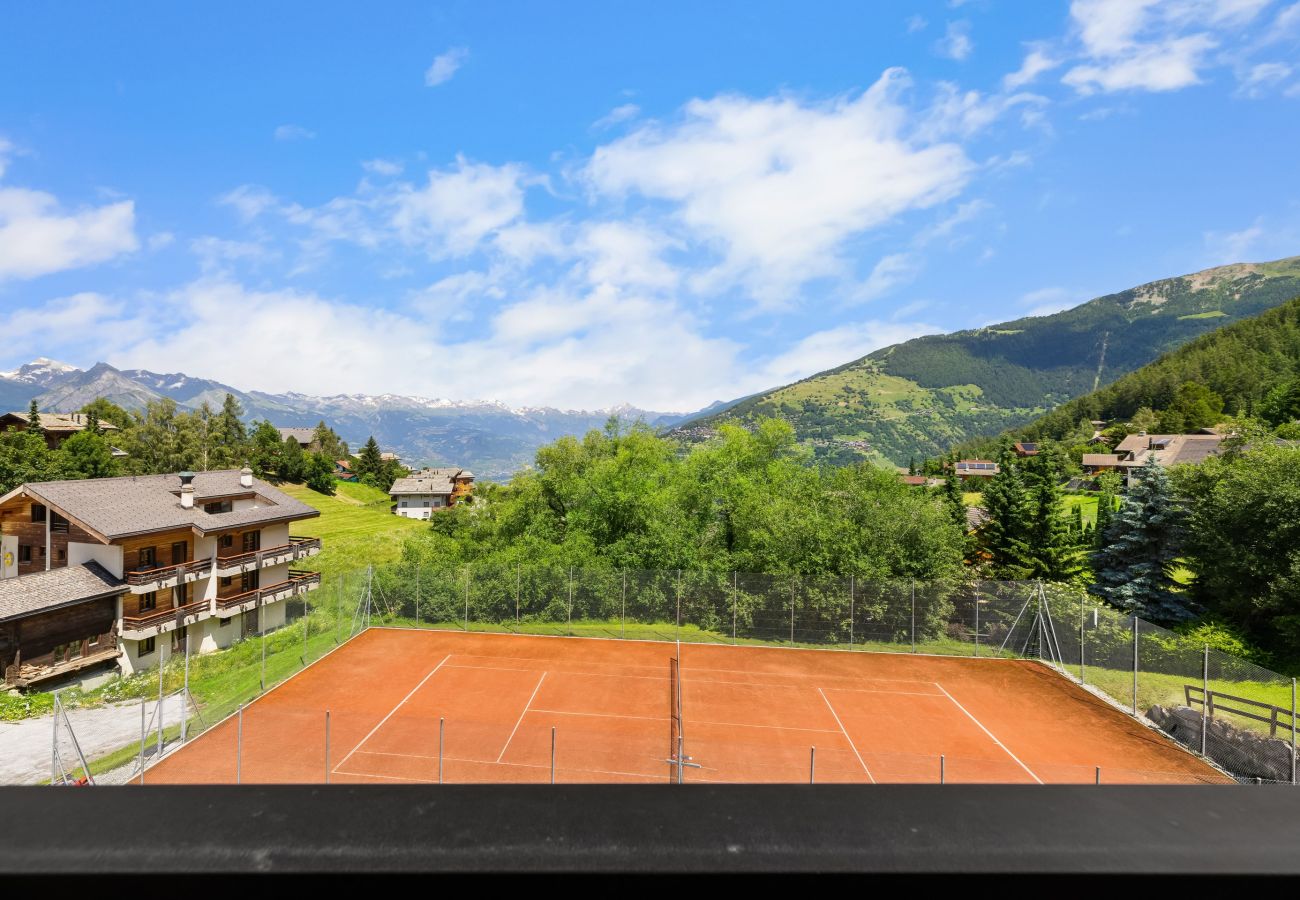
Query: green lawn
x=1088, y=502
x=356, y=528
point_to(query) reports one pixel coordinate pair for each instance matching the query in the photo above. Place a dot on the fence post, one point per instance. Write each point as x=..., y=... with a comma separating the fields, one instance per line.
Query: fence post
x=977, y=620
x=185, y=693
x=519, y=579
x=852, y=591
x=569, y=621
x=943, y=769
x=735, y=591
x=792, y=610
x=467, y=596
x=143, y=728
x=1082, y=678
x=417, y=593
x=327, y=746
x=1135, y=665
x=239, y=746
x=442, y=733
x=261, y=626
x=913, y=615
x=622, y=609
x=306, y=623
x=812, y=765
x=161, y=668
x=1098, y=781
x=338, y=609
x=679, y=605
x=1205, y=707
x=1293, y=729
x=552, y=754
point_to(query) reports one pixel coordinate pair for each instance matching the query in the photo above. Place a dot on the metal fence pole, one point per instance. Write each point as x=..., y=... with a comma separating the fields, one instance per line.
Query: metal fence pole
x=913, y=615
x=622, y=609
x=1293, y=730
x=239, y=746
x=327, y=746
x=1135, y=665
x=552, y=754
x=852, y=591
x=812, y=765
x=185, y=694
x=569, y=621
x=261, y=626
x=735, y=591
x=519, y=579
x=943, y=769
x=306, y=623
x=1098, y=781
x=159, y=711
x=467, y=596
x=54, y=743
x=792, y=610
x=679, y=605
x=442, y=734
x=1205, y=707
x=1082, y=678
x=338, y=609
x=977, y=619
x=417, y=593
x=143, y=728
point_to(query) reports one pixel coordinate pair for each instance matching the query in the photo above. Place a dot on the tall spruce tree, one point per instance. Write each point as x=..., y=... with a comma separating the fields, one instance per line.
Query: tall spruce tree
x=1054, y=552
x=369, y=461
x=1005, y=536
x=1139, y=547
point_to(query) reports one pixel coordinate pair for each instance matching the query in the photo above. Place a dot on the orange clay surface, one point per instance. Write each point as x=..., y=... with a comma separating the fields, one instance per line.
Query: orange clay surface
x=750, y=714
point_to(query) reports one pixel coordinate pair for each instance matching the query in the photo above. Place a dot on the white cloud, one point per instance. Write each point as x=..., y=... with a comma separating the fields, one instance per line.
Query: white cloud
x=1233, y=246
x=249, y=200
x=6, y=149
x=888, y=273
x=293, y=133
x=445, y=65
x=1262, y=76
x=1048, y=300
x=1037, y=61
x=460, y=207
x=616, y=115
x=915, y=23
x=54, y=321
x=38, y=238
x=1152, y=45
x=385, y=167
x=777, y=185
x=217, y=253
x=956, y=42
x=832, y=347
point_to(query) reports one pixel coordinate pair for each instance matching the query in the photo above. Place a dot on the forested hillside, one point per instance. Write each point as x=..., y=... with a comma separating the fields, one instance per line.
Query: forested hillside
x=921, y=397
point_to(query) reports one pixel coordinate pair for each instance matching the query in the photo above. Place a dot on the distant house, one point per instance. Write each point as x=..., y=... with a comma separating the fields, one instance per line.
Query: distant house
x=389, y=457
x=56, y=427
x=305, y=437
x=416, y=496
x=1023, y=449
x=920, y=480
x=1096, y=463
x=343, y=470
x=1168, y=449
x=975, y=469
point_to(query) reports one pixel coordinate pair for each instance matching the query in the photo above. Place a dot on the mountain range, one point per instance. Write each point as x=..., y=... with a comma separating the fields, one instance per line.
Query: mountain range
x=921, y=397
x=492, y=439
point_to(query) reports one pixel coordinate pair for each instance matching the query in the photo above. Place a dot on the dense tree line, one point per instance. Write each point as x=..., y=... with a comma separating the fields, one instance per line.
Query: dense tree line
x=163, y=438
x=749, y=501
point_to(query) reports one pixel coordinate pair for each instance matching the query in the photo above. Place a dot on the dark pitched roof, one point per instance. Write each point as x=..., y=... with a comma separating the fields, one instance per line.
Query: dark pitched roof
x=117, y=507
x=63, y=586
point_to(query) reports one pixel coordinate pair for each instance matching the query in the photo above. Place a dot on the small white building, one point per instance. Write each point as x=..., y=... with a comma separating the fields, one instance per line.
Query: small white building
x=418, y=495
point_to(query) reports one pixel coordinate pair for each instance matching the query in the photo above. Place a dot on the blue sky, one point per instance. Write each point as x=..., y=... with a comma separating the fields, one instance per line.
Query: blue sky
x=585, y=204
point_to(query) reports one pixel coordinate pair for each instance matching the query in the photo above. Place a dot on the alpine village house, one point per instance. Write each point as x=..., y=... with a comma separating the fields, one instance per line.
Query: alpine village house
x=98, y=575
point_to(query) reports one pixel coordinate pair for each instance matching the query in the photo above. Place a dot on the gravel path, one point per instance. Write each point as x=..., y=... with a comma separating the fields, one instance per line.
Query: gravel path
x=25, y=746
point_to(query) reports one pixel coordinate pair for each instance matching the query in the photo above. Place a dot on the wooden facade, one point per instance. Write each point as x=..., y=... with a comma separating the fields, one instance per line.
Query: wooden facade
x=17, y=521
x=58, y=636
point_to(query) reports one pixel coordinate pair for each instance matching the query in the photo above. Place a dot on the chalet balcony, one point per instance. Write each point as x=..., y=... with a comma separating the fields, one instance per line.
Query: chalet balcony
x=154, y=578
x=297, y=583
x=154, y=621
x=297, y=548
x=66, y=660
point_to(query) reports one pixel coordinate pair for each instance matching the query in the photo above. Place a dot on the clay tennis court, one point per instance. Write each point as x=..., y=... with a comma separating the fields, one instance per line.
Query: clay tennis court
x=748, y=714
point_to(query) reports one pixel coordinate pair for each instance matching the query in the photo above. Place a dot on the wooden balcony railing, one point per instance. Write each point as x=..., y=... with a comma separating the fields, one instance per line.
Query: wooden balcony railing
x=160, y=573
x=297, y=548
x=297, y=582
x=158, y=616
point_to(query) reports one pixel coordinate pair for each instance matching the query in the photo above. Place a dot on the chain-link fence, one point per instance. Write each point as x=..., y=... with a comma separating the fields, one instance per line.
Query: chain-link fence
x=1237, y=714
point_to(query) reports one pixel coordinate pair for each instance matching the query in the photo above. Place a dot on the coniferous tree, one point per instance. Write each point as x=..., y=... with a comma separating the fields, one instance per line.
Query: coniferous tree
x=369, y=461
x=265, y=450
x=34, y=418
x=1005, y=536
x=230, y=437
x=1053, y=549
x=1139, y=548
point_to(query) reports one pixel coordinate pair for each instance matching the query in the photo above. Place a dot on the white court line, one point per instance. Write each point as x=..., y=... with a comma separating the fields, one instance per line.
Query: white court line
x=846, y=735
x=989, y=733
x=561, y=712
x=390, y=713
x=484, y=762
x=521, y=716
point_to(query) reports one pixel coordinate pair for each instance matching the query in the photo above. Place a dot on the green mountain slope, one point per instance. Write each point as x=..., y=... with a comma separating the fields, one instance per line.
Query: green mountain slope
x=1241, y=362
x=923, y=396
